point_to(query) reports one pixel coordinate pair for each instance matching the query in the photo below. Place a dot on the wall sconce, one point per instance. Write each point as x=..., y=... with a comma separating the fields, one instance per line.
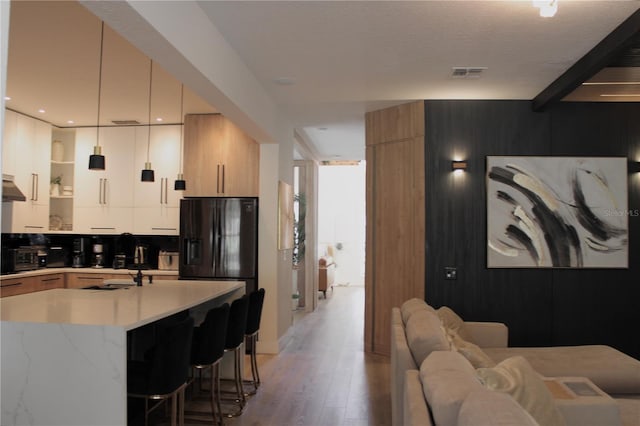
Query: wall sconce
x=458, y=166
x=634, y=167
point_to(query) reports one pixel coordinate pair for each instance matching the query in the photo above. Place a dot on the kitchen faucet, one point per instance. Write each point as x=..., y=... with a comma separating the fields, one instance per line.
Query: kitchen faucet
x=138, y=278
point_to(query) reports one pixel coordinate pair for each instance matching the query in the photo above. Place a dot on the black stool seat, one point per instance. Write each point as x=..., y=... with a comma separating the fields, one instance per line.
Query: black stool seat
x=164, y=372
x=209, y=340
x=233, y=343
x=256, y=301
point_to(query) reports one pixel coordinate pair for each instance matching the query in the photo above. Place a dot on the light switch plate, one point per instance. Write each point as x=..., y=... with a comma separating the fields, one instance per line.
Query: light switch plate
x=450, y=273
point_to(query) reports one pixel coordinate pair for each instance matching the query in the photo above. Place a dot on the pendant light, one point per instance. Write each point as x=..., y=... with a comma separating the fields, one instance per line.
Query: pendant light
x=180, y=184
x=96, y=160
x=148, y=175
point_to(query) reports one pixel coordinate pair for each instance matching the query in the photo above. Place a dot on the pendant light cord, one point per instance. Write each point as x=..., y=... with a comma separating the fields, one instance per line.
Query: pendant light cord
x=100, y=85
x=181, y=122
x=149, y=122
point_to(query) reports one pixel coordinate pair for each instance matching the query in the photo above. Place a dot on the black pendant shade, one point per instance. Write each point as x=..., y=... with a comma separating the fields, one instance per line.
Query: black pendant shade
x=96, y=160
x=148, y=175
x=180, y=184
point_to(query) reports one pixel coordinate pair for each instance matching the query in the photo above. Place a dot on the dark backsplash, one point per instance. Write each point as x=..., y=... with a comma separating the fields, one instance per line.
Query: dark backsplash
x=155, y=243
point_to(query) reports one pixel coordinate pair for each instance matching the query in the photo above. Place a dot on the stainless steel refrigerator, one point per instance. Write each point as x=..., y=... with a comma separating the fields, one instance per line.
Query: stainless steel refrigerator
x=219, y=239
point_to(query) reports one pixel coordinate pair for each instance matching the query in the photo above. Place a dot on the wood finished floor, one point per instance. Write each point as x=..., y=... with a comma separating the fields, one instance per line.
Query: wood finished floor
x=322, y=377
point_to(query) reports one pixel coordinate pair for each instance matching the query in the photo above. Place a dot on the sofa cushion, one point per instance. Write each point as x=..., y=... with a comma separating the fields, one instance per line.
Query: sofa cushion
x=517, y=378
x=485, y=407
x=472, y=352
x=611, y=370
x=416, y=412
x=452, y=321
x=447, y=378
x=411, y=306
x=425, y=335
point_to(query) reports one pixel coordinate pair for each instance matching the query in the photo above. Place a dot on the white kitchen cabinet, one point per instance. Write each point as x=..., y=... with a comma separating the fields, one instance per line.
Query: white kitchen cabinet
x=157, y=204
x=26, y=142
x=103, y=199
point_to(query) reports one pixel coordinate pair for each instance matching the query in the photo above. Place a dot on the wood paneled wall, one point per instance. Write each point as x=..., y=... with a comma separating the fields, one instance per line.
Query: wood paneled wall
x=395, y=217
x=540, y=306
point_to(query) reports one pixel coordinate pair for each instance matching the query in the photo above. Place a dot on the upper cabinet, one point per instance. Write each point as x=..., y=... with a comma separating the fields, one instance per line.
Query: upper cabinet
x=220, y=160
x=156, y=204
x=26, y=152
x=103, y=199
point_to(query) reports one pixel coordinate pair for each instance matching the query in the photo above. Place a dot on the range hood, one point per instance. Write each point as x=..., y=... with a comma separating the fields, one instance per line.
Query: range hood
x=10, y=192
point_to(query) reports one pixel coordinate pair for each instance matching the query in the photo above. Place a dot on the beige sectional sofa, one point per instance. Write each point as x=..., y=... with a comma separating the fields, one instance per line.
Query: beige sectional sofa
x=415, y=334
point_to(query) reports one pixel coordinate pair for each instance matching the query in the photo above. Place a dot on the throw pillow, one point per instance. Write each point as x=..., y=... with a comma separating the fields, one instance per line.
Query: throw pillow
x=425, y=335
x=411, y=306
x=516, y=377
x=472, y=352
x=452, y=321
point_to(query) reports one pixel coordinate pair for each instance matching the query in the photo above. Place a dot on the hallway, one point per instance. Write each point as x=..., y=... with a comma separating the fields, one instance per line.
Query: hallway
x=323, y=377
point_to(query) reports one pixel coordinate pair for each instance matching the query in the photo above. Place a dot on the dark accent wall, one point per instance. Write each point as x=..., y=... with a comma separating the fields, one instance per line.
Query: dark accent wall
x=540, y=306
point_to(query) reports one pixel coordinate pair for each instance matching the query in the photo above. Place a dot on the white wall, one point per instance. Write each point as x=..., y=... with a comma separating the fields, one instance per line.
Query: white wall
x=341, y=219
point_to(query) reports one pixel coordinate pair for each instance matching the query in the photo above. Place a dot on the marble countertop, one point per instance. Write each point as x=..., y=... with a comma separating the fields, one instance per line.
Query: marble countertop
x=46, y=271
x=129, y=307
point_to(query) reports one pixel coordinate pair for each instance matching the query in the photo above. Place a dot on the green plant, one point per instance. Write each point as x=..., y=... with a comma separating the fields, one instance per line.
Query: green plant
x=299, y=233
x=56, y=180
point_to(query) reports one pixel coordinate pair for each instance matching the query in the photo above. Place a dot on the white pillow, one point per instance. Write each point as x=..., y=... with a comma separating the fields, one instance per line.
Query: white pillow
x=425, y=335
x=452, y=321
x=516, y=377
x=472, y=352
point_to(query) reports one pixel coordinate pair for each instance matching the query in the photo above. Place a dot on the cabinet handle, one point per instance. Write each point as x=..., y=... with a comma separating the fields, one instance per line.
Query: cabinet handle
x=223, y=178
x=103, y=227
x=104, y=191
x=37, y=176
x=11, y=285
x=166, y=190
x=33, y=187
x=34, y=226
x=218, y=180
x=100, y=192
x=164, y=229
x=50, y=279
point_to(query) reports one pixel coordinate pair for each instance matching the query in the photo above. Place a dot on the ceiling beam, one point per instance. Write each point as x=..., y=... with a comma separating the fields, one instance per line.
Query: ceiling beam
x=597, y=58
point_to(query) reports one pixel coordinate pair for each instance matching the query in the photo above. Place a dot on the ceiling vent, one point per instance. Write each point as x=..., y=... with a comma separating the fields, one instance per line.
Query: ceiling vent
x=467, y=72
x=125, y=122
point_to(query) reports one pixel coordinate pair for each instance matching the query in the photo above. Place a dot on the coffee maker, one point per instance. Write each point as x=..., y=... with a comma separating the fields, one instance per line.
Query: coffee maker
x=97, y=261
x=80, y=252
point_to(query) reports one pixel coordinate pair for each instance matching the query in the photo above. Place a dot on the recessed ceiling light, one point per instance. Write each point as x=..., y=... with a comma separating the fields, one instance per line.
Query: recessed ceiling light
x=323, y=129
x=7, y=98
x=285, y=81
x=70, y=122
x=42, y=110
x=159, y=119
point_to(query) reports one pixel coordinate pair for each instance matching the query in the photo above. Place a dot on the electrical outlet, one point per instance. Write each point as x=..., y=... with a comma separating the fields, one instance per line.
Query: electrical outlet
x=450, y=273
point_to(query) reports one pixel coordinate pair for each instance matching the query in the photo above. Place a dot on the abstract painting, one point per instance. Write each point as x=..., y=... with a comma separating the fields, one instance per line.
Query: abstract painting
x=557, y=212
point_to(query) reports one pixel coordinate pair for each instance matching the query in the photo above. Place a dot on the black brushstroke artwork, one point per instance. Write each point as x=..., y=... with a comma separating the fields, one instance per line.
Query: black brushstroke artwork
x=556, y=231
x=557, y=225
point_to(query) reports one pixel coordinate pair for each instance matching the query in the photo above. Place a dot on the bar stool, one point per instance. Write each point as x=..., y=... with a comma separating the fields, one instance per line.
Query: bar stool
x=233, y=343
x=256, y=301
x=164, y=373
x=206, y=353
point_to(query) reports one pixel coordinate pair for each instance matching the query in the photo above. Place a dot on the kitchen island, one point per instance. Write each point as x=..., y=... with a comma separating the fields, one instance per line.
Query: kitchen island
x=64, y=351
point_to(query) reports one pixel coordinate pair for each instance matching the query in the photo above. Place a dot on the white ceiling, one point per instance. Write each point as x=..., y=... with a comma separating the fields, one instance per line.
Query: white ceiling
x=338, y=59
